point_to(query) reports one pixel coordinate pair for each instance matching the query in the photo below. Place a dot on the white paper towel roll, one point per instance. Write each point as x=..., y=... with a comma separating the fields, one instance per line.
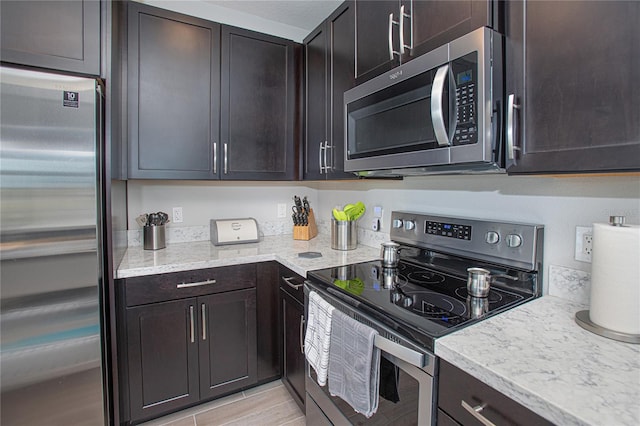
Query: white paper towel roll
x=615, y=277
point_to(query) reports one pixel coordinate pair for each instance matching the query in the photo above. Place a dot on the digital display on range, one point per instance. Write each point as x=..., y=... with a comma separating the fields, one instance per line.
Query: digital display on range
x=464, y=77
x=450, y=230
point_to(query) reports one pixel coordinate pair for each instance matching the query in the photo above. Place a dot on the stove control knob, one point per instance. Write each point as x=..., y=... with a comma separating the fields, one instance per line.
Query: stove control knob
x=409, y=225
x=514, y=240
x=397, y=223
x=492, y=237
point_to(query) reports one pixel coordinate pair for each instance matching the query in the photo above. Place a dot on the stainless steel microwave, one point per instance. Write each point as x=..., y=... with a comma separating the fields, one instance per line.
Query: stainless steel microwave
x=439, y=113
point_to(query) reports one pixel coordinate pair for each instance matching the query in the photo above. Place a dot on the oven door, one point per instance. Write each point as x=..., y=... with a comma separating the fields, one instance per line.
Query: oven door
x=410, y=400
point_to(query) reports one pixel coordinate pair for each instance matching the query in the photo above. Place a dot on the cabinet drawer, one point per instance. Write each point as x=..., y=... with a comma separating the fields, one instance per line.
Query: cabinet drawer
x=457, y=387
x=292, y=283
x=179, y=285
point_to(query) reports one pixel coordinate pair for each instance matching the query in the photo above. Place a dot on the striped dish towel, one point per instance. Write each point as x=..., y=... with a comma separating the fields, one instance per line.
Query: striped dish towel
x=318, y=335
x=354, y=364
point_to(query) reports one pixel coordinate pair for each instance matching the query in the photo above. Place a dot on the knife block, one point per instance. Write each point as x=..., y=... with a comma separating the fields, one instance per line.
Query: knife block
x=306, y=232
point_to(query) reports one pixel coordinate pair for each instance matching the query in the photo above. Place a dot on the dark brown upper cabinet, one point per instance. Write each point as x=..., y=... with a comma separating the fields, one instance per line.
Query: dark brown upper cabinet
x=173, y=94
x=258, y=106
x=425, y=25
x=57, y=35
x=207, y=101
x=329, y=69
x=572, y=71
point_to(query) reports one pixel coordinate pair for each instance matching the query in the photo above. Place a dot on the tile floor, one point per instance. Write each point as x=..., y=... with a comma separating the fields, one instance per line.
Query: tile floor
x=265, y=405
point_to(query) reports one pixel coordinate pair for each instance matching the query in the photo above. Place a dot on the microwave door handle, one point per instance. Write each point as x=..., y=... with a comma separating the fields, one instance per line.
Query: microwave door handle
x=437, y=113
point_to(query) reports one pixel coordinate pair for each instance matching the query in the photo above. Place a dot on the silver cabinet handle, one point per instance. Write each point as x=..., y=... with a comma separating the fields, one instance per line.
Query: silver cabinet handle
x=437, y=114
x=391, y=23
x=198, y=284
x=511, y=130
x=404, y=46
x=320, y=157
x=215, y=157
x=203, y=311
x=192, y=331
x=225, y=159
x=327, y=167
x=475, y=412
x=293, y=286
x=302, y=334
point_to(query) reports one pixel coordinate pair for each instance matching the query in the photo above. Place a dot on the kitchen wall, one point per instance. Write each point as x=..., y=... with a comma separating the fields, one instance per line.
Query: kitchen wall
x=559, y=203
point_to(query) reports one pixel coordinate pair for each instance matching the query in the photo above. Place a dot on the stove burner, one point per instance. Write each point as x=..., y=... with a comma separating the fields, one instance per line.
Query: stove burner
x=425, y=277
x=428, y=303
x=493, y=297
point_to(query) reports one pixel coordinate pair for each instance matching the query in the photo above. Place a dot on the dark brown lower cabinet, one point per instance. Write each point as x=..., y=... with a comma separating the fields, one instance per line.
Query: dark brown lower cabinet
x=465, y=400
x=292, y=310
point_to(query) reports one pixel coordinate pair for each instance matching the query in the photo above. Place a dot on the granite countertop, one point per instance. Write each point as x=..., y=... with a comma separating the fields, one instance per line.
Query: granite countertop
x=203, y=254
x=537, y=355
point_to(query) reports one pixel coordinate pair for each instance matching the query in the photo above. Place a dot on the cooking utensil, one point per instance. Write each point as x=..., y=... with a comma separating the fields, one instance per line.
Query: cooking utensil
x=478, y=282
x=390, y=254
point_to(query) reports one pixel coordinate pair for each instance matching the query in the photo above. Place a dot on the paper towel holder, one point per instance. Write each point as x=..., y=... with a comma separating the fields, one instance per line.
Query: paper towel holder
x=584, y=320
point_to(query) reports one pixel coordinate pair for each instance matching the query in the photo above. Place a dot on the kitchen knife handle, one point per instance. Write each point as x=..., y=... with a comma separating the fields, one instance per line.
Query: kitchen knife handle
x=197, y=284
x=302, y=334
x=293, y=286
x=192, y=330
x=475, y=412
x=203, y=310
x=225, y=158
x=215, y=157
x=511, y=127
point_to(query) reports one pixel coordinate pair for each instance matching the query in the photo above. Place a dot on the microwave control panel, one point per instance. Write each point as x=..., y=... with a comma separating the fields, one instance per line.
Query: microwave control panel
x=465, y=76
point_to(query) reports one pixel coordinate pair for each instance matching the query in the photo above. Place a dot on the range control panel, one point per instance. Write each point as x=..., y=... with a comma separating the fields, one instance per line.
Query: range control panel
x=510, y=243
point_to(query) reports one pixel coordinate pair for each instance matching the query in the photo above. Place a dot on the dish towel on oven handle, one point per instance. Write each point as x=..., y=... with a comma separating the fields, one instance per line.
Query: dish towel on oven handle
x=318, y=336
x=354, y=364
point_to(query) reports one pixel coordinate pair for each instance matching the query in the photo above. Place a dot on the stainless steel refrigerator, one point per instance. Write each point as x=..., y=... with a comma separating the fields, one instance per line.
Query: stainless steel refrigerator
x=51, y=345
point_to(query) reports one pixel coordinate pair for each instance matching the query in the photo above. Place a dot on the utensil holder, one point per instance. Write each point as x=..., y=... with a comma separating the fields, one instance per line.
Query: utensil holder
x=344, y=234
x=306, y=232
x=153, y=236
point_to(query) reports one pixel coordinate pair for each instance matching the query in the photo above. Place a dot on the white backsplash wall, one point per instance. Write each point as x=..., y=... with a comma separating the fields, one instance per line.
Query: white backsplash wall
x=560, y=204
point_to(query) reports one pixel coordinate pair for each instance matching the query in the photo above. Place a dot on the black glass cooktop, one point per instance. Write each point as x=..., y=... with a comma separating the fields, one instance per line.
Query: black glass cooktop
x=431, y=302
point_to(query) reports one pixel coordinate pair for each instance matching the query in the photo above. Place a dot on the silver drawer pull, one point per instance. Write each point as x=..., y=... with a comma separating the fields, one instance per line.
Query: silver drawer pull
x=302, y=334
x=198, y=284
x=192, y=328
x=293, y=286
x=475, y=412
x=204, y=321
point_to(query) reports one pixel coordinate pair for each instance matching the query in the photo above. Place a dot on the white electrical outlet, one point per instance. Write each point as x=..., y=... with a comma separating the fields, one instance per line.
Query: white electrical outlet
x=177, y=215
x=282, y=210
x=584, y=243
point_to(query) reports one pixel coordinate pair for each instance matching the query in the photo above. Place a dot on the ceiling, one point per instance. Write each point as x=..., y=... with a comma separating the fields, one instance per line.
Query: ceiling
x=303, y=14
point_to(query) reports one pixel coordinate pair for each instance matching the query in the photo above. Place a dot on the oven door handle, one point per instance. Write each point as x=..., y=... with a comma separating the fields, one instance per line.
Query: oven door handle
x=401, y=352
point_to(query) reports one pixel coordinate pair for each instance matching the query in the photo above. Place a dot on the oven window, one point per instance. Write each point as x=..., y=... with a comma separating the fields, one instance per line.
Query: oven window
x=393, y=120
x=403, y=412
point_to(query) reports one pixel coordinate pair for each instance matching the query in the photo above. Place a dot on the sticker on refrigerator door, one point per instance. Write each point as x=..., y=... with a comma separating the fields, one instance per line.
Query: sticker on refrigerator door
x=70, y=99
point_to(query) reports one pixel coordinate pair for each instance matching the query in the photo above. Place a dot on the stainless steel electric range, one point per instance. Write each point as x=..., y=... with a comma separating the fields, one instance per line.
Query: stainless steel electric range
x=423, y=298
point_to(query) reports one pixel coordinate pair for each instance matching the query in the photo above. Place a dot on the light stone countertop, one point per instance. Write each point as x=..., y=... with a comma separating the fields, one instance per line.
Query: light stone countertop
x=203, y=254
x=535, y=353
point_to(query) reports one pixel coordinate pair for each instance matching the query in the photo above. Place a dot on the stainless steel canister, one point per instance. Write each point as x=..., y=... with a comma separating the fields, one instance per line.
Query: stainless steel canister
x=153, y=236
x=478, y=282
x=389, y=253
x=344, y=234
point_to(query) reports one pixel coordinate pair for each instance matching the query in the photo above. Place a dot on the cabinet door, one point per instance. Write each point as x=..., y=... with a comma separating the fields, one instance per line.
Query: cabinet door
x=162, y=357
x=173, y=94
x=59, y=35
x=258, y=106
x=228, y=360
x=268, y=334
x=372, y=37
x=316, y=125
x=341, y=27
x=576, y=86
x=293, y=373
x=437, y=22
